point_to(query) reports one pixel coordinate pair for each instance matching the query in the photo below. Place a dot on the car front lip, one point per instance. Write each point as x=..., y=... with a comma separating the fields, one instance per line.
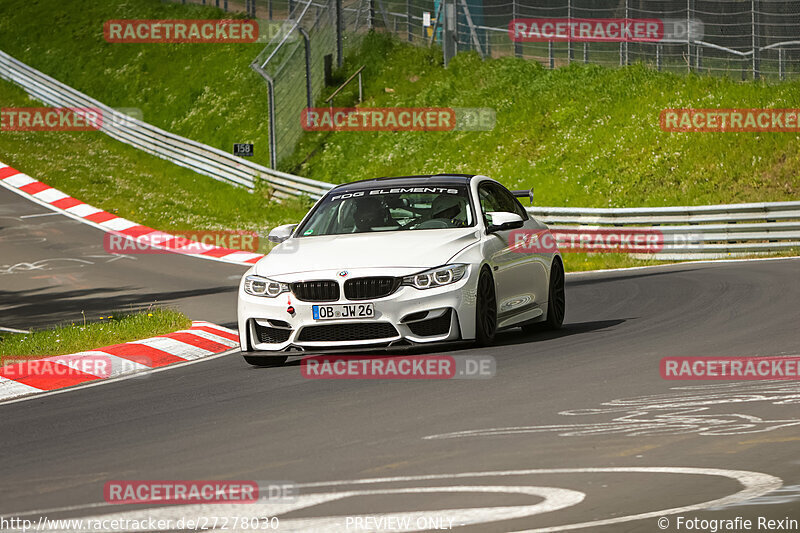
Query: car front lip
x=390, y=309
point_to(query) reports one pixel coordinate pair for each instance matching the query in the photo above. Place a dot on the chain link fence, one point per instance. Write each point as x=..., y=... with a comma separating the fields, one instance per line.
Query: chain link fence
x=739, y=38
x=745, y=39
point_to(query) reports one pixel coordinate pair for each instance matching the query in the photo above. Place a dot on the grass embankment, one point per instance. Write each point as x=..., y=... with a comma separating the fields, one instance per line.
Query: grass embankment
x=206, y=92
x=71, y=338
x=98, y=170
x=581, y=135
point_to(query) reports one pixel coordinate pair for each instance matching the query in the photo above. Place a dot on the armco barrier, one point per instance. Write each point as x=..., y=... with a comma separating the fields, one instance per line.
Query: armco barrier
x=692, y=232
x=198, y=157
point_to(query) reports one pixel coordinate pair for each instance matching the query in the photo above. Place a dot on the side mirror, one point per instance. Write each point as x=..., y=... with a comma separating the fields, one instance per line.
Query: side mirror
x=281, y=233
x=501, y=221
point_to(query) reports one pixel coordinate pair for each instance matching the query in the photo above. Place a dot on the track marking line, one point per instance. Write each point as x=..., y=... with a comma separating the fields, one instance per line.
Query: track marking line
x=754, y=485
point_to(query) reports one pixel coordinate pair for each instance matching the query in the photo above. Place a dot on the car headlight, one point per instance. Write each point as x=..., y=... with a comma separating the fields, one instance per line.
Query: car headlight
x=436, y=277
x=259, y=286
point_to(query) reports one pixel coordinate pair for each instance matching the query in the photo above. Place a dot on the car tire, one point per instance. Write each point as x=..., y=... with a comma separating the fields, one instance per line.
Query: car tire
x=555, y=313
x=265, y=362
x=557, y=301
x=485, y=309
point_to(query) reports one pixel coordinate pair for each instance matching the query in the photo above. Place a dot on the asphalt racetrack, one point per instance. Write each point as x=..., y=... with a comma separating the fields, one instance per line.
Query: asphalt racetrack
x=576, y=430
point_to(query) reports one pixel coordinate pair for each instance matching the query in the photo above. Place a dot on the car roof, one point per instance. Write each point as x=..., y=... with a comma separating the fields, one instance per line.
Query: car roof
x=407, y=181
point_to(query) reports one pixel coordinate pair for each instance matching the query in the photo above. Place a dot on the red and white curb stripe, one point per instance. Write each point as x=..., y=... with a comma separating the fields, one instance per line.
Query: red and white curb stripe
x=203, y=339
x=56, y=200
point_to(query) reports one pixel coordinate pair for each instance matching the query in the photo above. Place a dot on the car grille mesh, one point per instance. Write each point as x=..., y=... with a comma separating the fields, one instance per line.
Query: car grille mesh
x=272, y=335
x=368, y=288
x=347, y=332
x=316, y=291
x=434, y=326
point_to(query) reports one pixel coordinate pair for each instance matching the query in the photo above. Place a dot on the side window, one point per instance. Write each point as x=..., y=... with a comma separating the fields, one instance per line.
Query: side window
x=488, y=199
x=496, y=198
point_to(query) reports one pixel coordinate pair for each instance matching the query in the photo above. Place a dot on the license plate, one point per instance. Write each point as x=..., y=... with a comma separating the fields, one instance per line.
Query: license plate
x=332, y=312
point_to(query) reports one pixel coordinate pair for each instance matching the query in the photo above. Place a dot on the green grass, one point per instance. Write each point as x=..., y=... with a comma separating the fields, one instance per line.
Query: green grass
x=206, y=92
x=581, y=135
x=100, y=331
x=132, y=184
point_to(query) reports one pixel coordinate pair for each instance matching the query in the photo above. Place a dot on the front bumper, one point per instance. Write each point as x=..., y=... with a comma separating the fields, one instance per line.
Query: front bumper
x=409, y=315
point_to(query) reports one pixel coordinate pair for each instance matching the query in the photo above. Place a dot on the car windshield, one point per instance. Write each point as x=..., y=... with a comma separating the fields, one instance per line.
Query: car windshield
x=390, y=209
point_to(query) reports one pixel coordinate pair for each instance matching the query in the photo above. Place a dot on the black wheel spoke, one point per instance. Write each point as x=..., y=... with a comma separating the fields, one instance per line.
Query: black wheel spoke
x=557, y=307
x=486, y=308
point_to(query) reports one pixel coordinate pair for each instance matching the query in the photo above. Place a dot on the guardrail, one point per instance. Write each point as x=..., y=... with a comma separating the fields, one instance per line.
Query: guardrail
x=193, y=155
x=707, y=231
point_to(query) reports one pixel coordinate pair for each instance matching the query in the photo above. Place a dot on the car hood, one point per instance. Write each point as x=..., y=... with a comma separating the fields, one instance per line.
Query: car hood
x=413, y=248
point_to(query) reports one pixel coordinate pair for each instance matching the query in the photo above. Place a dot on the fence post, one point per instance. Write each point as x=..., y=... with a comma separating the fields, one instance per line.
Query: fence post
x=698, y=50
x=570, y=51
x=339, y=31
x=754, y=33
x=409, y=27
x=551, y=55
x=371, y=15
x=269, y=7
x=273, y=144
x=586, y=53
x=456, y=36
x=307, y=42
x=626, y=42
x=688, y=37
x=781, y=72
x=448, y=35
x=658, y=57
x=517, y=44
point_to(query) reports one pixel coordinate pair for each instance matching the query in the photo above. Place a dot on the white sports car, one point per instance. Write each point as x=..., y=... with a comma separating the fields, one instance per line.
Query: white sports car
x=400, y=261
